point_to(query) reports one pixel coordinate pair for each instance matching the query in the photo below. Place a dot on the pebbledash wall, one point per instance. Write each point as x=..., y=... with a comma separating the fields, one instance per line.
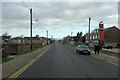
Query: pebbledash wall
x=111, y=36
x=16, y=49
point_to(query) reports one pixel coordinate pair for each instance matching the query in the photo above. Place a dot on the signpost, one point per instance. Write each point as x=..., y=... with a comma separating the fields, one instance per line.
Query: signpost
x=101, y=33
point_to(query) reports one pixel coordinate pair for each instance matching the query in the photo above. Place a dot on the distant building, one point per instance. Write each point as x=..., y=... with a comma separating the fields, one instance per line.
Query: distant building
x=73, y=40
x=17, y=40
x=34, y=40
x=111, y=36
x=5, y=39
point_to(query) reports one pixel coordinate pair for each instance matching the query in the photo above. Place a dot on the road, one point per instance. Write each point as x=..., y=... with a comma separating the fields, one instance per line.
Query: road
x=61, y=61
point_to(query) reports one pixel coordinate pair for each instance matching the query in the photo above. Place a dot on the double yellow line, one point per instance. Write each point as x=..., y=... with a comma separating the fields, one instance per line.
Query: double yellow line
x=106, y=60
x=26, y=66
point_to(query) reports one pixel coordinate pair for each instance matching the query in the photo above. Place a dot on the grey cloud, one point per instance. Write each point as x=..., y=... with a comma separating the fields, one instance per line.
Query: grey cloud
x=70, y=14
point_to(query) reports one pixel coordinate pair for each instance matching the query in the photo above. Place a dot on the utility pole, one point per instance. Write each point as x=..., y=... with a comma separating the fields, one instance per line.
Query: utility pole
x=51, y=37
x=31, y=27
x=71, y=34
x=89, y=31
x=47, y=37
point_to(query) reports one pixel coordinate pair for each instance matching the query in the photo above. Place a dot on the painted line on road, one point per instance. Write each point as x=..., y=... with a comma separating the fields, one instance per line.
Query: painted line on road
x=106, y=55
x=101, y=58
x=27, y=65
x=109, y=56
x=106, y=60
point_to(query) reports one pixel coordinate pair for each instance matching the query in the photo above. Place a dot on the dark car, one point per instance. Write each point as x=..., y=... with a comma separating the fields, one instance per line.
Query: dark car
x=108, y=46
x=83, y=49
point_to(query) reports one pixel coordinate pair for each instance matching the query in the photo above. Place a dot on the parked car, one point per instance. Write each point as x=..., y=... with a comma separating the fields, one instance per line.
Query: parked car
x=91, y=45
x=108, y=46
x=83, y=49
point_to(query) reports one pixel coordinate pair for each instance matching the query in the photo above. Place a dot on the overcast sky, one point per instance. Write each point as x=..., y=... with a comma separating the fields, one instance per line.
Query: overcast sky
x=59, y=18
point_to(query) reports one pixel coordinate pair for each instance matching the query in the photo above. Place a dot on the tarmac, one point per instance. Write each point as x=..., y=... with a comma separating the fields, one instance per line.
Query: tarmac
x=12, y=66
x=115, y=60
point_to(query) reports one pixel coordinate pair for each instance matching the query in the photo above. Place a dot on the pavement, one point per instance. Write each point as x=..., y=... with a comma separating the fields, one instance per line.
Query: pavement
x=61, y=61
x=108, y=58
x=115, y=50
x=12, y=66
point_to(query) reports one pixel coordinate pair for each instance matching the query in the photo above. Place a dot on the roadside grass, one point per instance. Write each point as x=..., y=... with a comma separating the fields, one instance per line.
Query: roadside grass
x=3, y=60
x=29, y=51
x=42, y=46
x=6, y=60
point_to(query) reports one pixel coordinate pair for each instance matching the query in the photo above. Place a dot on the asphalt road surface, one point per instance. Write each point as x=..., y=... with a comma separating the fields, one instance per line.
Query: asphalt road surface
x=61, y=61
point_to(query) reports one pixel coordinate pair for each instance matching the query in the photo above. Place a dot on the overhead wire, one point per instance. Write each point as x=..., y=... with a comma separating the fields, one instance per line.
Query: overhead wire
x=42, y=24
x=25, y=4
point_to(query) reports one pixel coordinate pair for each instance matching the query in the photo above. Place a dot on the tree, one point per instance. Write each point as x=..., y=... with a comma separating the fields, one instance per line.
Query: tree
x=5, y=34
x=81, y=34
x=83, y=39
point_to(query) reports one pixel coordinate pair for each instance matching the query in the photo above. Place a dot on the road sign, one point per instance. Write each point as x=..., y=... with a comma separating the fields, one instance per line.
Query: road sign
x=101, y=26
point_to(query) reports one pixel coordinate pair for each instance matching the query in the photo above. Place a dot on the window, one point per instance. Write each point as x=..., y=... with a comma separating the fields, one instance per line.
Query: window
x=97, y=30
x=96, y=37
x=90, y=37
x=93, y=37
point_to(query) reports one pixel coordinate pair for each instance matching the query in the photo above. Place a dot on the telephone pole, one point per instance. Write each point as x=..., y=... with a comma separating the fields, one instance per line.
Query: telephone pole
x=31, y=27
x=47, y=37
x=51, y=36
x=71, y=34
x=89, y=31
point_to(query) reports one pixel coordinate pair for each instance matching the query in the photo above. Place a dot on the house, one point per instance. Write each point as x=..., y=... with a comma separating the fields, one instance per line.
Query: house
x=111, y=36
x=66, y=40
x=72, y=40
x=35, y=39
x=44, y=40
x=18, y=40
x=5, y=39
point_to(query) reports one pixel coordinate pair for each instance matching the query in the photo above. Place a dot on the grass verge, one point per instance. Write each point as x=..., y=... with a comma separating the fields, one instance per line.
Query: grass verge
x=29, y=51
x=6, y=59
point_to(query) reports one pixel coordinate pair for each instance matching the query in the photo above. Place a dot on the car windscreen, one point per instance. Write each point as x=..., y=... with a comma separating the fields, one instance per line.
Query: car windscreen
x=82, y=46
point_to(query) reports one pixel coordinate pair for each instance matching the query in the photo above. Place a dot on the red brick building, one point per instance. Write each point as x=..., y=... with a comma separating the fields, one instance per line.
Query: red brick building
x=111, y=36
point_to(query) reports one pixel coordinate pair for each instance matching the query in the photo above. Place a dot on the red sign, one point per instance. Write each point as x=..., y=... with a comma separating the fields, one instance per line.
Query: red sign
x=100, y=26
x=101, y=35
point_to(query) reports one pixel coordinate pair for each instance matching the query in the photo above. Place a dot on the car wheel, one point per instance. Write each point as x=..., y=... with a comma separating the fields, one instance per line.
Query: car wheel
x=88, y=53
x=76, y=51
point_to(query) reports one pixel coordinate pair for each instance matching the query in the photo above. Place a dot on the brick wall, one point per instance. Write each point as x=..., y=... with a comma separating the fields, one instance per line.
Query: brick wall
x=111, y=35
